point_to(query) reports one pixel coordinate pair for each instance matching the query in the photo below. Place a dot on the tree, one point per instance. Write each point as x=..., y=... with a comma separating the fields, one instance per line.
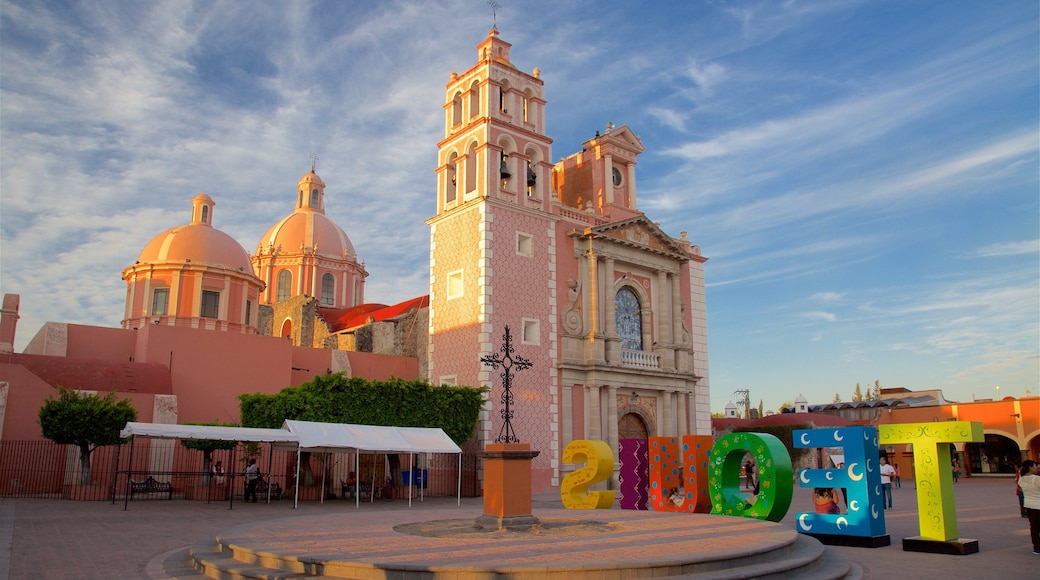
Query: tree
x=208, y=446
x=857, y=395
x=86, y=421
x=837, y=398
x=760, y=408
x=875, y=392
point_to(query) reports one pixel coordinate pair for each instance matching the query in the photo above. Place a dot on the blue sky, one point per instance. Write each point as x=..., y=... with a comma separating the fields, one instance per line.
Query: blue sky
x=862, y=175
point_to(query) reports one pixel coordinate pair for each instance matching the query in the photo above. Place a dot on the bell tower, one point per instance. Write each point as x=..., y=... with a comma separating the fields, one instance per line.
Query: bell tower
x=492, y=240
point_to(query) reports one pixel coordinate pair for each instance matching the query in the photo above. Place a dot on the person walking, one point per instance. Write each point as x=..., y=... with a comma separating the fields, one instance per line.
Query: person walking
x=887, y=473
x=252, y=478
x=1030, y=484
x=899, y=484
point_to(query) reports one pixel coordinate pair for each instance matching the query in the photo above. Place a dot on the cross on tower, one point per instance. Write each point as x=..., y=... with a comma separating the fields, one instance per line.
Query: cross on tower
x=508, y=362
x=314, y=160
x=494, y=13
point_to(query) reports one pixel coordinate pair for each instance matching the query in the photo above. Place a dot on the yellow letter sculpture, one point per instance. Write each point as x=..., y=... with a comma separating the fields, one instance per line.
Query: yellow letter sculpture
x=936, y=511
x=599, y=464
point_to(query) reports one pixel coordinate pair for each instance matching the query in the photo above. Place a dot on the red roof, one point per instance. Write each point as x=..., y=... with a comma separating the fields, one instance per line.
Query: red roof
x=359, y=315
x=817, y=419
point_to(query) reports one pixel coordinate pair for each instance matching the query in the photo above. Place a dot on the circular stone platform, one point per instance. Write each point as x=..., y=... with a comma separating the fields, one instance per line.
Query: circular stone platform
x=568, y=543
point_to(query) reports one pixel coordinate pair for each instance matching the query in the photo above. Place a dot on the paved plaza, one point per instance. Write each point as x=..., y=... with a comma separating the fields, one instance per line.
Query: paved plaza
x=50, y=538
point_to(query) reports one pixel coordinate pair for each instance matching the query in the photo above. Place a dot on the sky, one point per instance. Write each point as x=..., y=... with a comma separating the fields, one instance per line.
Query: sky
x=863, y=176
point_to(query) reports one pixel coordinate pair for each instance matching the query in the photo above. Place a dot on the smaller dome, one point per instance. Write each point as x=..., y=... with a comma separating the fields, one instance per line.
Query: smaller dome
x=730, y=405
x=198, y=242
x=800, y=399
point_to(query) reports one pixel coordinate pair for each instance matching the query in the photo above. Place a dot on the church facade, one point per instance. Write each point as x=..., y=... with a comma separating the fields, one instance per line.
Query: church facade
x=607, y=308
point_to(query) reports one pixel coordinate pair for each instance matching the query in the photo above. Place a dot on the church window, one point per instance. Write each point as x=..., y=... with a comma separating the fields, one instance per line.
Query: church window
x=314, y=199
x=328, y=290
x=526, y=119
x=456, y=110
x=160, y=301
x=628, y=319
x=210, y=304
x=471, y=169
x=524, y=244
x=205, y=214
x=284, y=286
x=474, y=99
x=531, y=333
x=451, y=188
x=249, y=311
x=455, y=284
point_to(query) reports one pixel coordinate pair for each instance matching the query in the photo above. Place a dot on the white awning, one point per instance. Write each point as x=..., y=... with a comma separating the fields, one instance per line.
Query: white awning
x=372, y=438
x=212, y=432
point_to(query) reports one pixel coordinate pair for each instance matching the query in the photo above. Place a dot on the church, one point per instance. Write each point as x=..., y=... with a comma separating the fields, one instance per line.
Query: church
x=608, y=310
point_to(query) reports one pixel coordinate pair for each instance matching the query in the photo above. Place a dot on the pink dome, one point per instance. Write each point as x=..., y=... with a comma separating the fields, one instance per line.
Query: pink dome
x=307, y=228
x=198, y=242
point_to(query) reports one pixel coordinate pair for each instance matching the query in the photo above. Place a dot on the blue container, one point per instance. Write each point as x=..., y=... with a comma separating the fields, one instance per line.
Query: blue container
x=420, y=477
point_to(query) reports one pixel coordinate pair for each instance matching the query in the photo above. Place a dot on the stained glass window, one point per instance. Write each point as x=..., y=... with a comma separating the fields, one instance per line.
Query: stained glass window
x=628, y=319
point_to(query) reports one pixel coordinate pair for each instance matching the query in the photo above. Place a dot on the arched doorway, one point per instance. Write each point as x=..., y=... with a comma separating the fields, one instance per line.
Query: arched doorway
x=997, y=454
x=286, y=329
x=632, y=426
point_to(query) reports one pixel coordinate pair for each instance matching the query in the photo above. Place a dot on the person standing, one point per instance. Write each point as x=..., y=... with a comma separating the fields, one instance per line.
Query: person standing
x=899, y=484
x=887, y=473
x=252, y=478
x=1018, y=492
x=1030, y=484
x=218, y=474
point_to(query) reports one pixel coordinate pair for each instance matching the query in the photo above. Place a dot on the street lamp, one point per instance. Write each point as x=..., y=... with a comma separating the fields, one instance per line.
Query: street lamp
x=998, y=393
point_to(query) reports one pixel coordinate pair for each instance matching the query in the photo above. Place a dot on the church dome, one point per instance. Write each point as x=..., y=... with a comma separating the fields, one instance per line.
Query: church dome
x=198, y=242
x=307, y=229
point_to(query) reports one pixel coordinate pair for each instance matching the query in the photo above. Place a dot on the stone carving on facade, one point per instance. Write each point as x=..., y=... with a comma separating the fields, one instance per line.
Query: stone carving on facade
x=572, y=313
x=165, y=406
x=57, y=333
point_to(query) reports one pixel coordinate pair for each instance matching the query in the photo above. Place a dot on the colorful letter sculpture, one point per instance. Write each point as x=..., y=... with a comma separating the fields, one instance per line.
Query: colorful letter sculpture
x=864, y=524
x=774, y=474
x=633, y=474
x=599, y=465
x=936, y=513
x=666, y=473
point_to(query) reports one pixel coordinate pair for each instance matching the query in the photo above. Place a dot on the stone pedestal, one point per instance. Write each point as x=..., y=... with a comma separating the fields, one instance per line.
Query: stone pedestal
x=960, y=547
x=507, y=486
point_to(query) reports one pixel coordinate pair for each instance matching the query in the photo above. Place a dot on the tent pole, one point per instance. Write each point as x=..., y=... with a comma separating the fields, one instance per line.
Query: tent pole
x=129, y=465
x=324, y=470
x=231, y=477
x=411, y=480
x=296, y=495
x=459, y=485
x=270, y=462
x=357, y=479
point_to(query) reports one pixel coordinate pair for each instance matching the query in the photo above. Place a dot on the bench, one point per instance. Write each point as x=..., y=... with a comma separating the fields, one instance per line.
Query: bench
x=151, y=485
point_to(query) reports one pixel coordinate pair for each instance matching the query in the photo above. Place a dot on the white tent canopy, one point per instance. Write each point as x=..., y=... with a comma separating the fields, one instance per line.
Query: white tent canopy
x=312, y=436
x=373, y=438
x=211, y=432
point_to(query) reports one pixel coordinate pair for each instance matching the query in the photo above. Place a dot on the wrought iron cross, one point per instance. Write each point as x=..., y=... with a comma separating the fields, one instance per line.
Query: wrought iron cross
x=494, y=12
x=508, y=362
x=314, y=161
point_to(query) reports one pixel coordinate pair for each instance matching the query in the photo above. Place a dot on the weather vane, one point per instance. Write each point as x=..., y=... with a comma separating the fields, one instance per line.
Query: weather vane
x=508, y=362
x=494, y=13
x=314, y=161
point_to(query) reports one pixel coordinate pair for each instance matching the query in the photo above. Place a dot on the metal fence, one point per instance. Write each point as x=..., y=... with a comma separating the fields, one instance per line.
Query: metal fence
x=48, y=470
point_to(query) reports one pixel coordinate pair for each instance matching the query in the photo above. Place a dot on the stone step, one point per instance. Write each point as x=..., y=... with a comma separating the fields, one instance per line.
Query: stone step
x=803, y=558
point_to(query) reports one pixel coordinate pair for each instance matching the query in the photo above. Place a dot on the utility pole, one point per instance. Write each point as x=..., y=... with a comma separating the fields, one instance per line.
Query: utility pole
x=743, y=397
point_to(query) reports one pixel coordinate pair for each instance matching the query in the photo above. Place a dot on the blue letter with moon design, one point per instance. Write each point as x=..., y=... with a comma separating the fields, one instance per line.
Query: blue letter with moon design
x=860, y=476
